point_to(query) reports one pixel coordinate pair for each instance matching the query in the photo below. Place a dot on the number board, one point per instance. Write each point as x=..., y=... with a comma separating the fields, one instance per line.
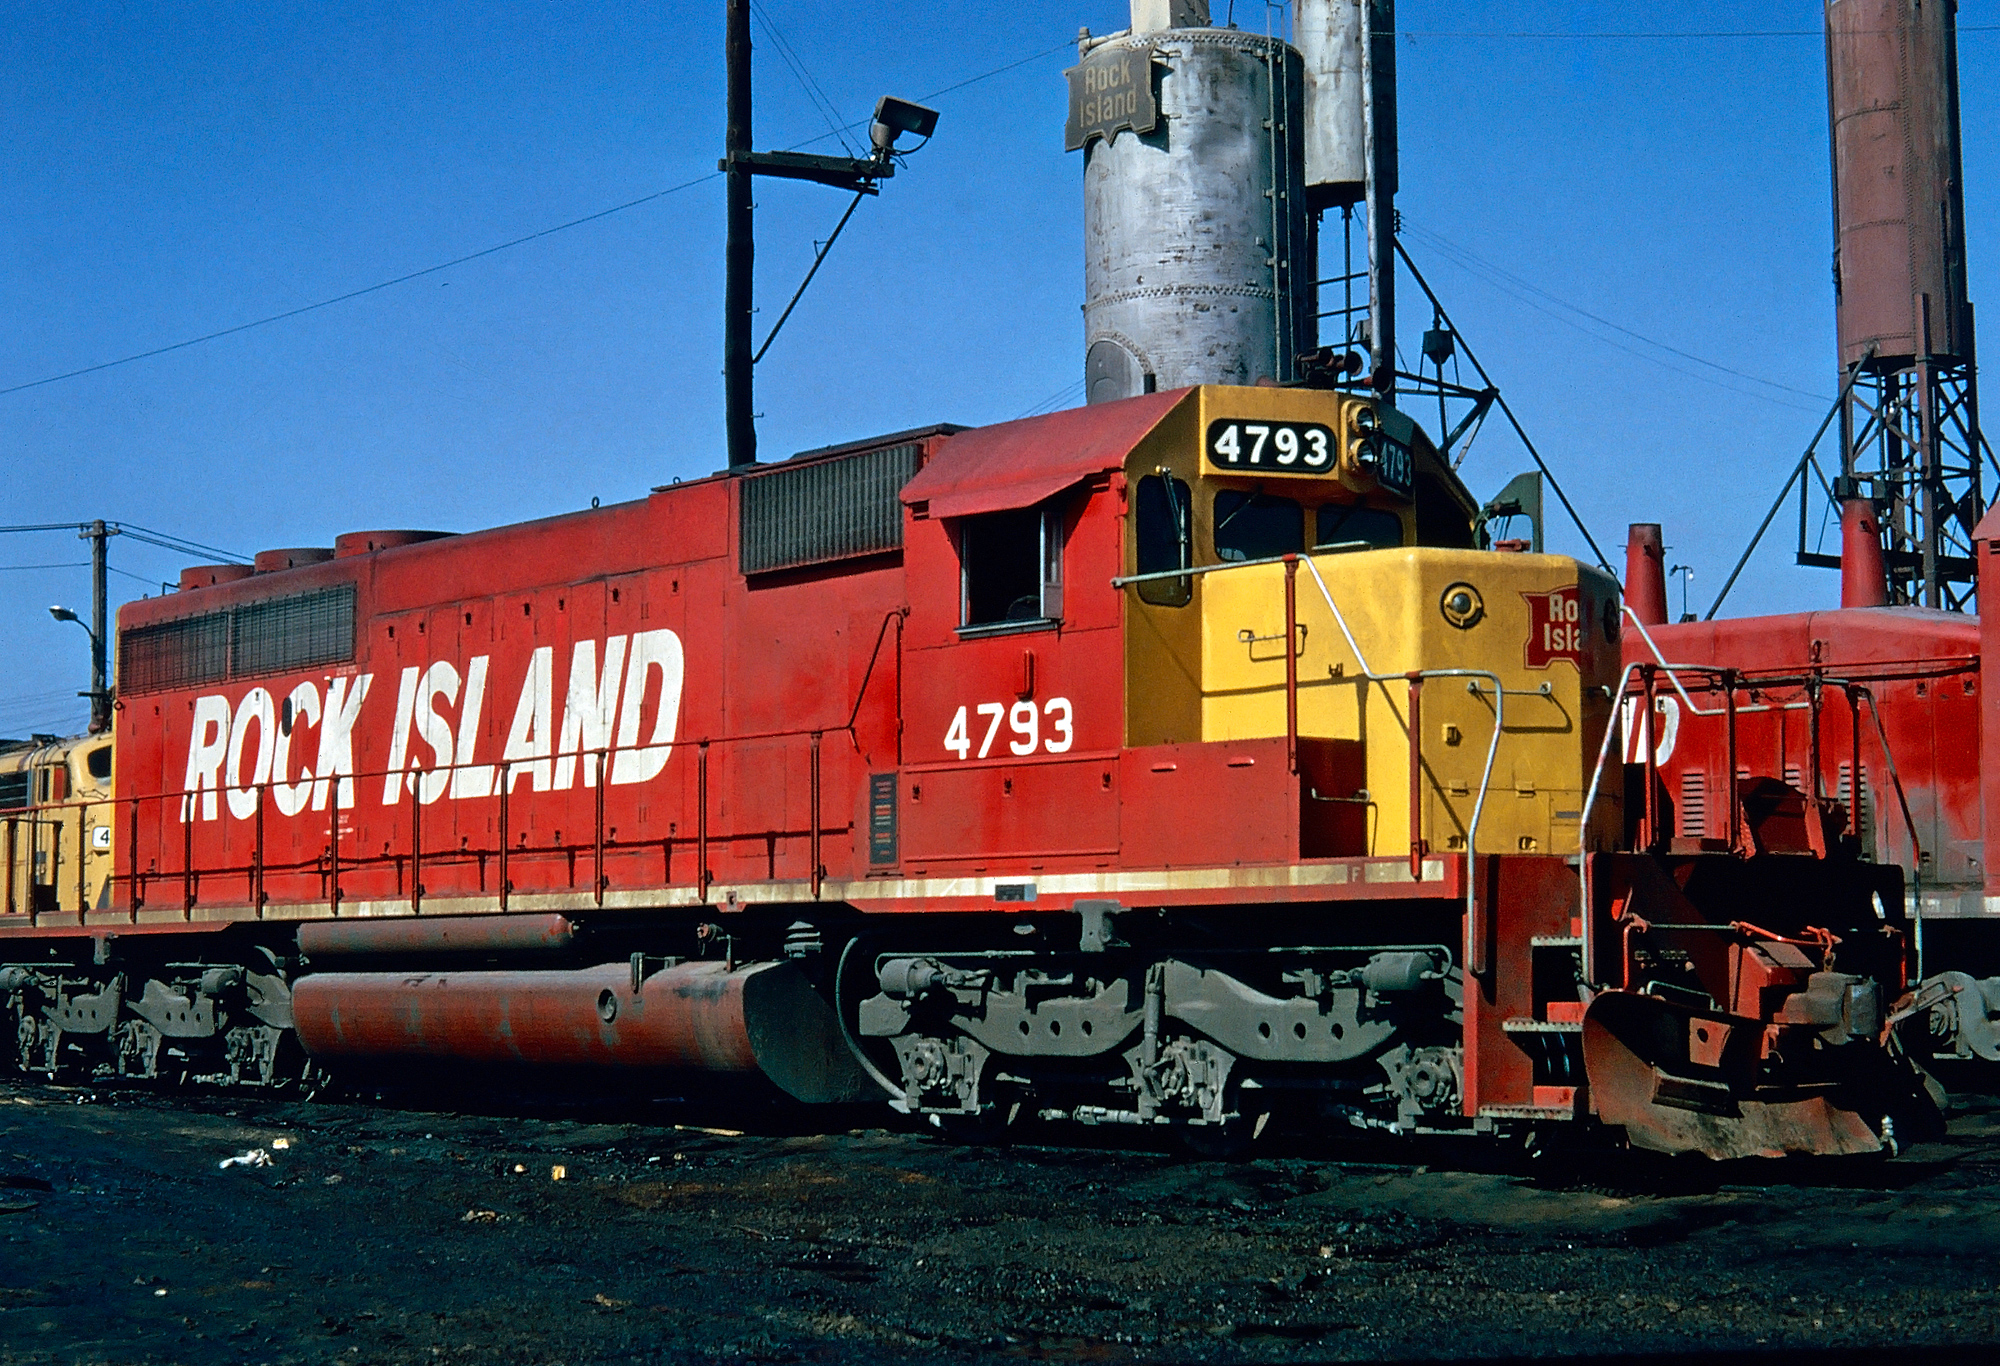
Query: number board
x=1392, y=464
x=1241, y=447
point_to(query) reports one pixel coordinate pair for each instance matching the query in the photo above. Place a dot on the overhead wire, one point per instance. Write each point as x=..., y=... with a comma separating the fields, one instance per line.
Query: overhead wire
x=1450, y=248
x=1500, y=400
x=1071, y=390
x=1669, y=36
x=468, y=257
x=179, y=543
x=1520, y=290
x=353, y=294
x=32, y=698
x=797, y=66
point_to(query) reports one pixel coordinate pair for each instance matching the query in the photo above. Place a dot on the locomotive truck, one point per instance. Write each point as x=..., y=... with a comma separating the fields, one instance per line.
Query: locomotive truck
x=1171, y=761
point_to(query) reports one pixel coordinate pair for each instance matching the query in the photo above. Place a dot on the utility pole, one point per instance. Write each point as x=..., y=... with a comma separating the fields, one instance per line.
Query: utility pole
x=861, y=175
x=739, y=395
x=1378, y=83
x=97, y=533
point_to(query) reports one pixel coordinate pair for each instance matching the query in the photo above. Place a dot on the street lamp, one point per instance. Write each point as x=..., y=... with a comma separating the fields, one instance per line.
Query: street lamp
x=99, y=695
x=1686, y=573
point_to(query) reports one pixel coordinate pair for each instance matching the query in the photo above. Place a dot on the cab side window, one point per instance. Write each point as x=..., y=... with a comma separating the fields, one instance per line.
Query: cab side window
x=1257, y=526
x=1010, y=568
x=1163, y=535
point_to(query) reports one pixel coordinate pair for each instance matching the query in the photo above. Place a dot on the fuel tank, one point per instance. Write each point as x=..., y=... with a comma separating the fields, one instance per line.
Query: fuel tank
x=703, y=1016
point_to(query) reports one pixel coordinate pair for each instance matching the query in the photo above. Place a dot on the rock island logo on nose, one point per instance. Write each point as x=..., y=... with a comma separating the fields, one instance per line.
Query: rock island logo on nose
x=1555, y=628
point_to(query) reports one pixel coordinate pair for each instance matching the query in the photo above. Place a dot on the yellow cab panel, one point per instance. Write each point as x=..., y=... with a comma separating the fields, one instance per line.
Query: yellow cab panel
x=1384, y=582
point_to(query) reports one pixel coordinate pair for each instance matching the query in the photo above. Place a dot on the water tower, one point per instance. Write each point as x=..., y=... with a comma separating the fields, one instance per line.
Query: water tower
x=1909, y=419
x=1210, y=155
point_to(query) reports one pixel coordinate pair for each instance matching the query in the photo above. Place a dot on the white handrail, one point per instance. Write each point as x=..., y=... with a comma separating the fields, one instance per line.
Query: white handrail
x=1611, y=729
x=1416, y=746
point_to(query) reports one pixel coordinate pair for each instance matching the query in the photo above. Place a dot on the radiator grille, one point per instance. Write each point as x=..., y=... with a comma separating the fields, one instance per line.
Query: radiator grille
x=1694, y=805
x=831, y=510
x=296, y=632
x=273, y=636
x=1858, y=804
x=174, y=654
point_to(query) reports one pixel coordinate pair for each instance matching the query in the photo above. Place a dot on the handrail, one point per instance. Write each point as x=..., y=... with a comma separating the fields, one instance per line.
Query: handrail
x=50, y=816
x=1916, y=849
x=1611, y=727
x=1154, y=576
x=1728, y=679
x=897, y=615
x=336, y=864
x=1474, y=938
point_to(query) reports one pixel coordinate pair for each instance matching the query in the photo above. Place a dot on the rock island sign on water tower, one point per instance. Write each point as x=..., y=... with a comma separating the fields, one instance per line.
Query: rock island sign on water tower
x=1109, y=91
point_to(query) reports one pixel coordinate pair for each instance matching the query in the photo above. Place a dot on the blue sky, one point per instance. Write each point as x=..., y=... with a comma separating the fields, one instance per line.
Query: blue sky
x=172, y=170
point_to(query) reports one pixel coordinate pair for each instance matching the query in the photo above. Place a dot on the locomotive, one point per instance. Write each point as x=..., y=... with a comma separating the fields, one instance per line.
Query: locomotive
x=55, y=831
x=1180, y=761
x=1169, y=761
x=1858, y=731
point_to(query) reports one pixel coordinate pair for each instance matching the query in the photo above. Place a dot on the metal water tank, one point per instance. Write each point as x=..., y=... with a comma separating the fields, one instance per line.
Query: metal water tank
x=1328, y=35
x=1899, y=201
x=1197, y=268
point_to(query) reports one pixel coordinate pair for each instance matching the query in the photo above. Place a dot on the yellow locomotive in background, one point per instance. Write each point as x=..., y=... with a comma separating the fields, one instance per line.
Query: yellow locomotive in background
x=56, y=824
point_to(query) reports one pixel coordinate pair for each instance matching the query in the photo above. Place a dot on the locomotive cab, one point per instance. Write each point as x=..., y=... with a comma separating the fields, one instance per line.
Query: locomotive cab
x=1127, y=575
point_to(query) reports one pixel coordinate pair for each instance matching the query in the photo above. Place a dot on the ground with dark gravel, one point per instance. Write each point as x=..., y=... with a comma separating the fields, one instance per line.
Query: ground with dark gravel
x=390, y=1233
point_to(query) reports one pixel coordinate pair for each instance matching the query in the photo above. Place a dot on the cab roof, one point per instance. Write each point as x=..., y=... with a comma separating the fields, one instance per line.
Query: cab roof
x=1018, y=464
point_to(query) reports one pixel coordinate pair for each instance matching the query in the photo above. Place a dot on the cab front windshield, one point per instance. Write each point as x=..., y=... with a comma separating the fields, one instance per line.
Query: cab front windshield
x=1256, y=525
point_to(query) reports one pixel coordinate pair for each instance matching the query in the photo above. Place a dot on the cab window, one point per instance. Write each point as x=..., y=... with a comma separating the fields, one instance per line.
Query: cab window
x=1348, y=526
x=98, y=762
x=1257, y=526
x=1163, y=532
x=1010, y=568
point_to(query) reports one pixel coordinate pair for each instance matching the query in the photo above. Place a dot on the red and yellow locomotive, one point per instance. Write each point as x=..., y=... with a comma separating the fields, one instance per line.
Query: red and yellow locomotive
x=1174, y=760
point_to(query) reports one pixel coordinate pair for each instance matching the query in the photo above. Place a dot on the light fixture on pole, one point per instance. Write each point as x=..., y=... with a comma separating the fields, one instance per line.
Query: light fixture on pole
x=1686, y=573
x=862, y=175
x=99, y=695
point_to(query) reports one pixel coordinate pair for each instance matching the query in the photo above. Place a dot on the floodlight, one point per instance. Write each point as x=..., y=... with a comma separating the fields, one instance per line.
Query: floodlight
x=894, y=117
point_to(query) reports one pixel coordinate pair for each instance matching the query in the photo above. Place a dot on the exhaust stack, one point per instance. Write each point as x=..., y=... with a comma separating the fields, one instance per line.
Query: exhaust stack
x=1862, y=580
x=1646, y=573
